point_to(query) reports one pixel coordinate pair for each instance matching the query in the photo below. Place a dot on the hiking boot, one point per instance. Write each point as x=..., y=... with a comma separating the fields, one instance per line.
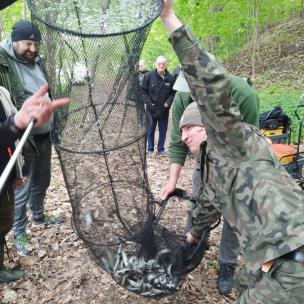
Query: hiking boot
x=47, y=220
x=22, y=244
x=162, y=153
x=7, y=276
x=225, y=280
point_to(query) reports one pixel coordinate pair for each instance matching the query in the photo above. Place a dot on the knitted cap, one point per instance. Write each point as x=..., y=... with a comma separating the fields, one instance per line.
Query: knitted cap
x=181, y=83
x=191, y=116
x=25, y=30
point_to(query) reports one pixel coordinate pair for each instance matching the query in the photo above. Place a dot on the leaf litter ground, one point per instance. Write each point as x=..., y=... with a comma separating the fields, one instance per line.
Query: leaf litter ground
x=61, y=271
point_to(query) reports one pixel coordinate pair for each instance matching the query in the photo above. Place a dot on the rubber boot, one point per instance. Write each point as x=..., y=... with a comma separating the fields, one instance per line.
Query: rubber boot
x=7, y=276
x=225, y=280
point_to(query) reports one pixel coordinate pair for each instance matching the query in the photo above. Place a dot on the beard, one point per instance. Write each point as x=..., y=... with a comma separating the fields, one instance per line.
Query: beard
x=29, y=56
x=24, y=51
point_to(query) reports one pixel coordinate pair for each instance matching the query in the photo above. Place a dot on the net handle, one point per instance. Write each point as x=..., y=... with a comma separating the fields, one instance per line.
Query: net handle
x=179, y=193
x=203, y=237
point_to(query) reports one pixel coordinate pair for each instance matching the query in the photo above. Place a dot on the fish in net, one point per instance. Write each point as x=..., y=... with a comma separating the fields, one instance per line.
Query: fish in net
x=90, y=50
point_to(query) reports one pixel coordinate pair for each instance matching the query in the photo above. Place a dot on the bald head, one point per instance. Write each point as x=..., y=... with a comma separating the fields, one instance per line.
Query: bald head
x=161, y=65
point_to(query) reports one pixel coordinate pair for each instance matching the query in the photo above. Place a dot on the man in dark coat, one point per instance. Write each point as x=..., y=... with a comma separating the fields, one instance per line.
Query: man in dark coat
x=157, y=91
x=12, y=125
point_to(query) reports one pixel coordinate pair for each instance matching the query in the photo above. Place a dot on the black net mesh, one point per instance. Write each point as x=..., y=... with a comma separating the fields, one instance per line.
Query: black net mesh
x=90, y=50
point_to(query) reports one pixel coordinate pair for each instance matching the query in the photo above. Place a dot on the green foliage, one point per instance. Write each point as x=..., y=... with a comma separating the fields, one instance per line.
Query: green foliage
x=286, y=99
x=10, y=16
x=229, y=23
x=214, y=265
x=156, y=45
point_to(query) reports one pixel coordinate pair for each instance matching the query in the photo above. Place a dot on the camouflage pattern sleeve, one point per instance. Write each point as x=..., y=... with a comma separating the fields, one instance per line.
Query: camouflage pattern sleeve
x=204, y=214
x=210, y=85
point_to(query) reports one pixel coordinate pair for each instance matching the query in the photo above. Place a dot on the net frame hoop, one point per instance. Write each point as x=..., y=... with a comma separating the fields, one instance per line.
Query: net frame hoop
x=74, y=33
x=97, y=151
x=114, y=148
x=128, y=143
x=121, y=239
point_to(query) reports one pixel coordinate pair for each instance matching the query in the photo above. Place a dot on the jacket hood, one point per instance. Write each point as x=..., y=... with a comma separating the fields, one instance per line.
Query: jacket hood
x=7, y=45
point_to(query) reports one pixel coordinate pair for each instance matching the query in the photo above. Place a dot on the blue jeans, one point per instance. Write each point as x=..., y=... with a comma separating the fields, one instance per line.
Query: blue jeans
x=34, y=189
x=162, y=129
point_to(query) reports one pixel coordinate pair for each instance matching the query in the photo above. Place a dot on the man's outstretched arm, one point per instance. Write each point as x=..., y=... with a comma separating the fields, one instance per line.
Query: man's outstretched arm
x=210, y=85
x=170, y=20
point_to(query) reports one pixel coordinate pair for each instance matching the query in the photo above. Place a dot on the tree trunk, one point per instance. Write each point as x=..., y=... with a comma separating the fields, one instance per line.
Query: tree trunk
x=212, y=43
x=256, y=45
x=1, y=26
x=24, y=9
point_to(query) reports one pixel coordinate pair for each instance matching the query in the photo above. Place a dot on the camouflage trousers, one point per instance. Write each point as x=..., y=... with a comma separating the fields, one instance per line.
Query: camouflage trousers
x=6, y=211
x=283, y=283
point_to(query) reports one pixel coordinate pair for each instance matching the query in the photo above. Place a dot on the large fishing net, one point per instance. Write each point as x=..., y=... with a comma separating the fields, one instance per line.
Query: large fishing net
x=90, y=50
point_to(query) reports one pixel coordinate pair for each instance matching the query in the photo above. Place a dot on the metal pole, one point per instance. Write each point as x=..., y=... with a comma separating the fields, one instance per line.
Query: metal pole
x=5, y=174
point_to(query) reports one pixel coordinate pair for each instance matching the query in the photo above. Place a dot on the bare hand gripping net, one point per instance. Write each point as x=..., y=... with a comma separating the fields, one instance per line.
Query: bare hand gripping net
x=90, y=50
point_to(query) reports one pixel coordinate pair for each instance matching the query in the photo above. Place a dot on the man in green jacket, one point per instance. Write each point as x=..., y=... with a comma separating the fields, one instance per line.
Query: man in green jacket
x=248, y=101
x=241, y=179
x=22, y=76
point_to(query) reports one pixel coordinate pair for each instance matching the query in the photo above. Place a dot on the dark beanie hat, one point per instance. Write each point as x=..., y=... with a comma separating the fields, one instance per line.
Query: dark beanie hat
x=25, y=30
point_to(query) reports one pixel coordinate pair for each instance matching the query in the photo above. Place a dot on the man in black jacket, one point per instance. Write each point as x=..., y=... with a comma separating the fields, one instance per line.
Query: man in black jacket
x=157, y=91
x=12, y=125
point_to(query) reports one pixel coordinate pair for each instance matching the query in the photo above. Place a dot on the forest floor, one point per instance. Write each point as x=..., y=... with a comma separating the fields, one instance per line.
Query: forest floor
x=60, y=270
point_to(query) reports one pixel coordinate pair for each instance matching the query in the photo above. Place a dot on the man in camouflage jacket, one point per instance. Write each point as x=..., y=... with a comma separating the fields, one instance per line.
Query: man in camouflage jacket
x=248, y=102
x=243, y=181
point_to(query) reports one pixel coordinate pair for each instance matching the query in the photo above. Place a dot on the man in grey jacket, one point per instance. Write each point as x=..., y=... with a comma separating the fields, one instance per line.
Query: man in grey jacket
x=20, y=53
